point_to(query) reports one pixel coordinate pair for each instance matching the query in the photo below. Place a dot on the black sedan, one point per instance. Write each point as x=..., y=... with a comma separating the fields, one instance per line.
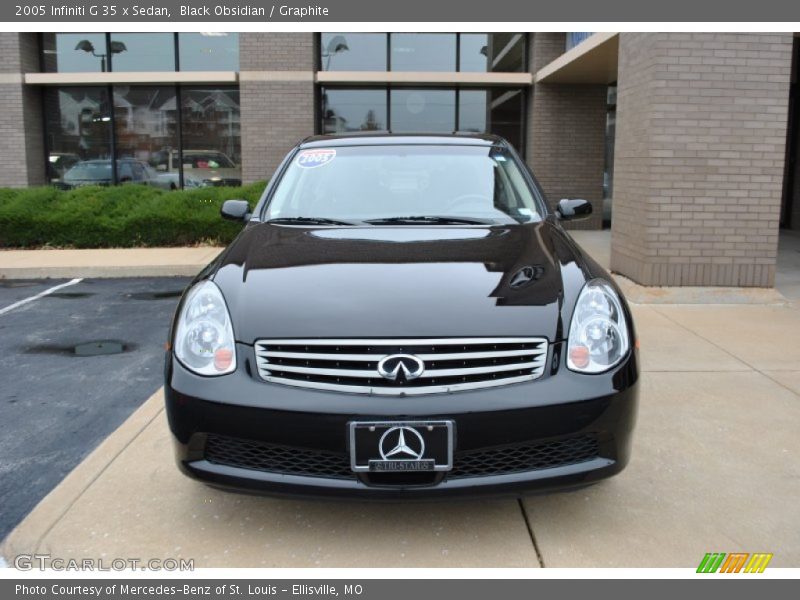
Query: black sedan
x=402, y=317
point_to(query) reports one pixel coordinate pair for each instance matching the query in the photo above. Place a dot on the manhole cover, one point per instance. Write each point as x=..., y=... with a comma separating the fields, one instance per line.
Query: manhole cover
x=70, y=295
x=99, y=348
x=155, y=295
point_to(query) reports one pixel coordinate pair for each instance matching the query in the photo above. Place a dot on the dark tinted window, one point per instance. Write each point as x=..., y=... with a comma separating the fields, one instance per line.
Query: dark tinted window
x=145, y=121
x=421, y=110
x=78, y=126
x=353, y=110
x=211, y=127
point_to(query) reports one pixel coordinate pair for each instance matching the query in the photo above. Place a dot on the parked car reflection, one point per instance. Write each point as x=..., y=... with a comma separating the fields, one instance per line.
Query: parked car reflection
x=211, y=166
x=99, y=172
x=171, y=181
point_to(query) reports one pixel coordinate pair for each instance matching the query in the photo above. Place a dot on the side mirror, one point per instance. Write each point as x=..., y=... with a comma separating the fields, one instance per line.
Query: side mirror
x=573, y=209
x=235, y=210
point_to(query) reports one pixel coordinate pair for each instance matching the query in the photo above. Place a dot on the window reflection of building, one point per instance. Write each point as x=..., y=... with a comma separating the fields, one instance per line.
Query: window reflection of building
x=497, y=110
x=145, y=124
x=78, y=126
x=346, y=110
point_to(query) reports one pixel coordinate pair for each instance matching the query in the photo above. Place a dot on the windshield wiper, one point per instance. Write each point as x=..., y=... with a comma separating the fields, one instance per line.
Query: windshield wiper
x=307, y=221
x=428, y=220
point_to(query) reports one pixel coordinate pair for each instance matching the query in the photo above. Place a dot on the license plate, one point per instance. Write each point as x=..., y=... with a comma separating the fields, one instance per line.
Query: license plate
x=391, y=446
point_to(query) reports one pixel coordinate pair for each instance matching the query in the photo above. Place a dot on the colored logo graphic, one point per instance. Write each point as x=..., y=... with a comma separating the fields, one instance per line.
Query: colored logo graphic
x=736, y=562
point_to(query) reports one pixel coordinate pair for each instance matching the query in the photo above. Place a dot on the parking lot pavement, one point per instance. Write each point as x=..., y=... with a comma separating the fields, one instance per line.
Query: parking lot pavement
x=714, y=469
x=57, y=405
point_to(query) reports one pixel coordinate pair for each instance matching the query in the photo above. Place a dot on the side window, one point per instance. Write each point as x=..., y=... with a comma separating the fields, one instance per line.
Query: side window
x=124, y=172
x=138, y=172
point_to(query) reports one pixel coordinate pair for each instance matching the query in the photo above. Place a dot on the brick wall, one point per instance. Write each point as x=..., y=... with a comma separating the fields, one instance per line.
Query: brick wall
x=21, y=133
x=566, y=134
x=277, y=97
x=699, y=154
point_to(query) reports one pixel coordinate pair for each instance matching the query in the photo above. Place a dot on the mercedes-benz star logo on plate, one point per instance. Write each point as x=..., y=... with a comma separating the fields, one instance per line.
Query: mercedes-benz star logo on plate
x=401, y=443
x=401, y=367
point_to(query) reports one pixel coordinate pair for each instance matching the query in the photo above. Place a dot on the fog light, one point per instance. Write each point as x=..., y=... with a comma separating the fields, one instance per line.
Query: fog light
x=579, y=356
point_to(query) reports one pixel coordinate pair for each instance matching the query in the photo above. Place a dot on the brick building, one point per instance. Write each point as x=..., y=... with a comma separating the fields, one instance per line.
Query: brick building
x=689, y=138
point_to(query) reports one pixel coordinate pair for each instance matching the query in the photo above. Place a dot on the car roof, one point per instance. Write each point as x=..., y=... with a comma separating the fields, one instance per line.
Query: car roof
x=384, y=138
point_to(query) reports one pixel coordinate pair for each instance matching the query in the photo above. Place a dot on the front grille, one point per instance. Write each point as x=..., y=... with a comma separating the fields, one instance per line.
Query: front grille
x=272, y=458
x=516, y=458
x=351, y=365
x=286, y=460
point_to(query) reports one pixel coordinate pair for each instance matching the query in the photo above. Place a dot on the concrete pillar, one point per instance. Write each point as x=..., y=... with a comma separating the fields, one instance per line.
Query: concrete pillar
x=276, y=83
x=699, y=154
x=566, y=133
x=21, y=132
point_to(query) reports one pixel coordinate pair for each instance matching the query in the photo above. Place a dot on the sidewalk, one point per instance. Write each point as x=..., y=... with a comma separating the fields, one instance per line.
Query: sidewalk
x=165, y=262
x=110, y=262
x=714, y=469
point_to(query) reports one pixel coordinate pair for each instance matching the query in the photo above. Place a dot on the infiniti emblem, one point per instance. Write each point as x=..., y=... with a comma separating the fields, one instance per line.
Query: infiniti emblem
x=401, y=443
x=401, y=367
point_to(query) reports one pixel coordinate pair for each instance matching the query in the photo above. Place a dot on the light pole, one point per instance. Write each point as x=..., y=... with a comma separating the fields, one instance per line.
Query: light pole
x=114, y=47
x=337, y=44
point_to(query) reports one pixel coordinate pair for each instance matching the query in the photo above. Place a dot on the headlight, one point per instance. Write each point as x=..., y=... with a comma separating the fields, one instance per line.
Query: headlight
x=598, y=334
x=204, y=337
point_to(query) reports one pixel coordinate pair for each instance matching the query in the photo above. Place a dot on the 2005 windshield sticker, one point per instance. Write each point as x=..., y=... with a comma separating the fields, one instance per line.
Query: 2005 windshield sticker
x=310, y=159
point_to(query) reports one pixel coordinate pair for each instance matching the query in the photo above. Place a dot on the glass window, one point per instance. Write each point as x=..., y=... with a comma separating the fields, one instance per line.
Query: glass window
x=74, y=52
x=423, y=51
x=353, y=110
x=78, y=130
x=492, y=52
x=353, y=51
x=424, y=110
x=145, y=122
x=496, y=110
x=142, y=52
x=211, y=129
x=506, y=110
x=210, y=51
x=472, y=111
x=366, y=183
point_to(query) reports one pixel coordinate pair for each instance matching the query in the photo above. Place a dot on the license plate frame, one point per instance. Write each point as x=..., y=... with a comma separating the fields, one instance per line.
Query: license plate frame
x=436, y=451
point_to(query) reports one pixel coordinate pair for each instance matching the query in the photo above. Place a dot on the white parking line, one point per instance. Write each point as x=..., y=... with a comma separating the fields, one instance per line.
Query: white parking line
x=46, y=292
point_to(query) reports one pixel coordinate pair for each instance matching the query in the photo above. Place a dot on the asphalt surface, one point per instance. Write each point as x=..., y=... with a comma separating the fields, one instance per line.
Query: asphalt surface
x=58, y=403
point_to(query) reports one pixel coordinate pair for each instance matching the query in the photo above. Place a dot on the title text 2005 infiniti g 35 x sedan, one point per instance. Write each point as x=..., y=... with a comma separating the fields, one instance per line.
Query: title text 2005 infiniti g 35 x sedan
x=402, y=317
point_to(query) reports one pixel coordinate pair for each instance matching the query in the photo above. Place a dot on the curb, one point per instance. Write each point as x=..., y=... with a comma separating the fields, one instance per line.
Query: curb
x=28, y=536
x=100, y=272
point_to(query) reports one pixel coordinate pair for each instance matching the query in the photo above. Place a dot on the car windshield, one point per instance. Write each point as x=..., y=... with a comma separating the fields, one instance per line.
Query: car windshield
x=404, y=184
x=94, y=171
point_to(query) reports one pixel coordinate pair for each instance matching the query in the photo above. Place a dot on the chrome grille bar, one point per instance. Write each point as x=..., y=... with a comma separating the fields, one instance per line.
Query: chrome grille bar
x=351, y=365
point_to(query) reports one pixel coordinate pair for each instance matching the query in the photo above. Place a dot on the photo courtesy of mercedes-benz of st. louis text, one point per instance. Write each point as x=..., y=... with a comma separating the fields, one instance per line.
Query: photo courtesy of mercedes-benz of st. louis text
x=402, y=316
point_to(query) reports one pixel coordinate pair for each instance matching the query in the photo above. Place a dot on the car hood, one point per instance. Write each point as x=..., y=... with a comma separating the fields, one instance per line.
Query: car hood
x=406, y=281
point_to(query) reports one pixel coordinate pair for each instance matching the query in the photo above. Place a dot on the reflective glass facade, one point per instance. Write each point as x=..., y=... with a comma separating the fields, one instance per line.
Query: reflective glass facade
x=172, y=132
x=78, y=128
x=443, y=52
x=128, y=52
x=498, y=110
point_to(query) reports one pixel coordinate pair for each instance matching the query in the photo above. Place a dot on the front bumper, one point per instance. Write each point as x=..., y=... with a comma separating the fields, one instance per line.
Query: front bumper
x=559, y=431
